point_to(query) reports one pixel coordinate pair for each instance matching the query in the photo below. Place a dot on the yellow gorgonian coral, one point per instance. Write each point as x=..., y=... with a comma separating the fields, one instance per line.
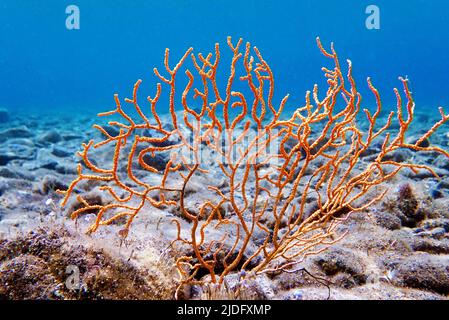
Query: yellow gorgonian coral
x=287, y=181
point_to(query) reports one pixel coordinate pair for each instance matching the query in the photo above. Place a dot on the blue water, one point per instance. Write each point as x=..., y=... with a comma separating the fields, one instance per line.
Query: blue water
x=46, y=68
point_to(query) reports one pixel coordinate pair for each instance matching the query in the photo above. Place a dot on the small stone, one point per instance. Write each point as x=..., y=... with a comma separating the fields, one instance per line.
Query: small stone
x=16, y=132
x=438, y=233
x=424, y=144
x=159, y=161
x=436, y=194
x=111, y=130
x=6, y=172
x=171, y=140
x=6, y=157
x=60, y=152
x=50, y=164
x=66, y=168
x=370, y=151
x=71, y=136
x=426, y=174
x=401, y=155
x=435, y=223
x=51, y=136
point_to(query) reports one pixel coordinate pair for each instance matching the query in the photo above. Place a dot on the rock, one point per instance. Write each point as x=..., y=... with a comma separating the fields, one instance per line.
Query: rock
x=72, y=136
x=14, y=185
x=290, y=144
x=401, y=155
x=424, y=144
x=16, y=132
x=433, y=228
x=441, y=162
x=18, y=279
x=12, y=151
x=429, y=245
x=172, y=140
x=33, y=124
x=6, y=157
x=44, y=159
x=8, y=173
x=50, y=164
x=426, y=174
x=412, y=221
x=34, y=266
x=340, y=260
x=159, y=161
x=51, y=183
x=60, y=152
x=387, y=220
x=51, y=136
x=437, y=233
x=94, y=197
x=21, y=142
x=4, y=115
x=408, y=206
x=411, y=241
x=436, y=194
x=371, y=151
x=269, y=220
x=435, y=223
x=111, y=130
x=66, y=168
x=423, y=271
x=16, y=172
x=442, y=185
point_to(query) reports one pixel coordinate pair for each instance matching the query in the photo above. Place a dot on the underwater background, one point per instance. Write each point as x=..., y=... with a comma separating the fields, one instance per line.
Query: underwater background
x=391, y=241
x=46, y=68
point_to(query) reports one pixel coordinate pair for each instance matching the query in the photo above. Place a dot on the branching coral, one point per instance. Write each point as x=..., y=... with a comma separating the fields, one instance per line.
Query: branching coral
x=288, y=182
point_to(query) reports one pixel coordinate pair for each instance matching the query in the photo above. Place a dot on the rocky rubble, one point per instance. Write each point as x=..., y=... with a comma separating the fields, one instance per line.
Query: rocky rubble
x=399, y=249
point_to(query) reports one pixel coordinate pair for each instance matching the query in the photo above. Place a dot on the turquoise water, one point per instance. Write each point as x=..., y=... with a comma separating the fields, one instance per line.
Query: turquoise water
x=44, y=67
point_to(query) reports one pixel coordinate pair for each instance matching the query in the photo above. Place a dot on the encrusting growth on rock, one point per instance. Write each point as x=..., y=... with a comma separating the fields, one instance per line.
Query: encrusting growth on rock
x=272, y=164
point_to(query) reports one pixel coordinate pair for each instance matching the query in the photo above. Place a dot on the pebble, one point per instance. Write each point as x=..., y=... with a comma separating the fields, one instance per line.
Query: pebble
x=60, y=152
x=51, y=136
x=16, y=132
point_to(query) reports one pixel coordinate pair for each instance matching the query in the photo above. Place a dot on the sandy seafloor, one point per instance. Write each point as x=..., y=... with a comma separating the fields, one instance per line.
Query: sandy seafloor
x=386, y=255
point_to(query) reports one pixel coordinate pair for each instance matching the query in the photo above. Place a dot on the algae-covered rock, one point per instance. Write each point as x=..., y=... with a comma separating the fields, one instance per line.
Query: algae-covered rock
x=52, y=264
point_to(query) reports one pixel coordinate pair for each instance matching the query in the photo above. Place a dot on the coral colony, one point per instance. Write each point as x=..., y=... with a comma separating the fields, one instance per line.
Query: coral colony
x=302, y=172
